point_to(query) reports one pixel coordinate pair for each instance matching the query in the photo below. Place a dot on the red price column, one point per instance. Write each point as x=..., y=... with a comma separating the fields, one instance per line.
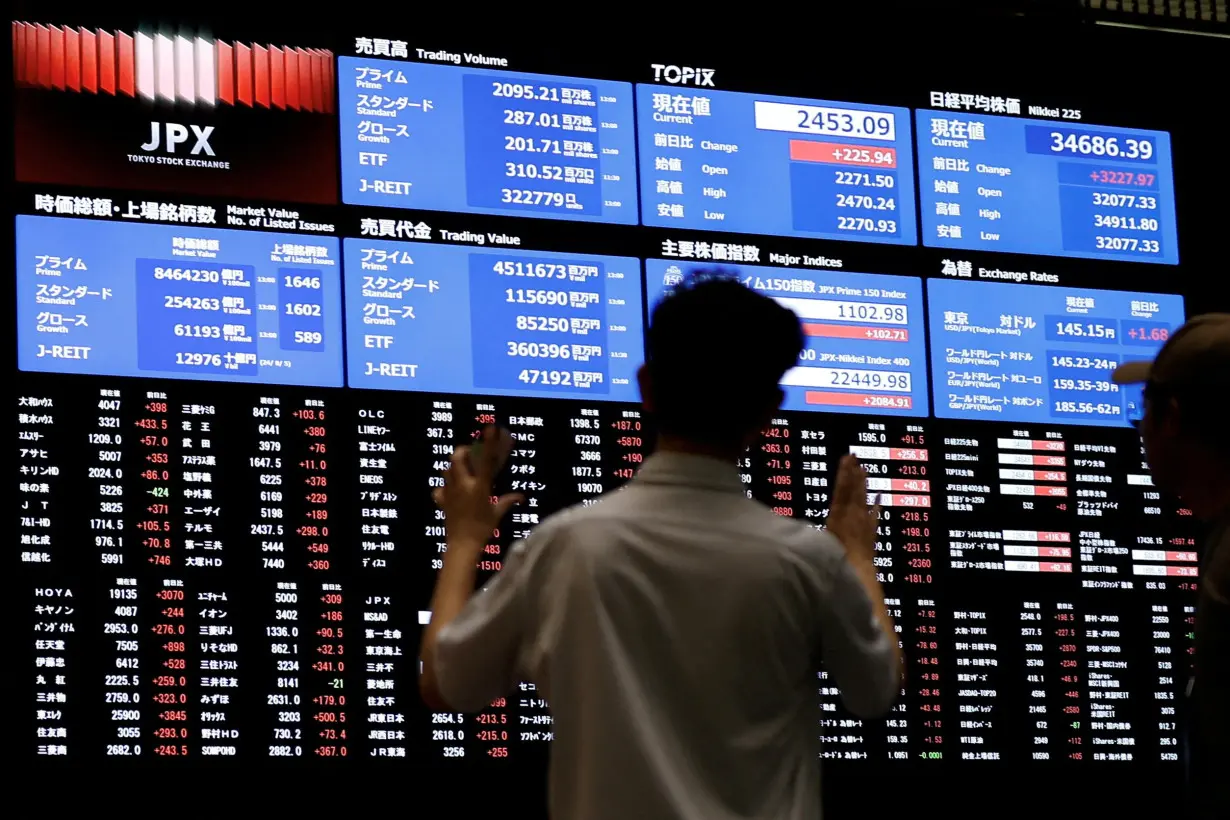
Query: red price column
x=1071, y=724
x=329, y=726
x=172, y=731
x=626, y=441
x=324, y=601
x=924, y=674
x=154, y=440
x=772, y=460
x=896, y=457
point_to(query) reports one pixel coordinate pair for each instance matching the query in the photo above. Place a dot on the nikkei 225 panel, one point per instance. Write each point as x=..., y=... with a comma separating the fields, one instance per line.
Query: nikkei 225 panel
x=757, y=163
x=1042, y=187
x=446, y=138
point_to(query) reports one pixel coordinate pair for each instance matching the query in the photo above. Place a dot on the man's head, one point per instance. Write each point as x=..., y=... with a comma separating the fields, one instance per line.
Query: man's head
x=1186, y=423
x=715, y=354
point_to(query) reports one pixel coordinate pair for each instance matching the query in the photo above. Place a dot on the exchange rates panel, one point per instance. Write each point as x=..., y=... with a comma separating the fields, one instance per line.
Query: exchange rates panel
x=178, y=301
x=1037, y=186
x=446, y=138
x=864, y=350
x=752, y=163
x=1027, y=353
x=512, y=323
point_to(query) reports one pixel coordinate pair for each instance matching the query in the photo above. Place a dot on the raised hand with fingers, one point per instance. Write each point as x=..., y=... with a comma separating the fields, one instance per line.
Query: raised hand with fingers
x=850, y=518
x=855, y=524
x=470, y=511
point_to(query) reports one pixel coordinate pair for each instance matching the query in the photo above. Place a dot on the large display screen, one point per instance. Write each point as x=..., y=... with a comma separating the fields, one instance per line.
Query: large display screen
x=260, y=301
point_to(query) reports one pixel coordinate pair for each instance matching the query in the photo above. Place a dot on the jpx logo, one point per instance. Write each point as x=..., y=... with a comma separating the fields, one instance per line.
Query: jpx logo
x=176, y=135
x=682, y=75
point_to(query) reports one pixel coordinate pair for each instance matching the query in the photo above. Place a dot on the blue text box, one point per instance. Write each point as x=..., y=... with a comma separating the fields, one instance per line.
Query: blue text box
x=179, y=301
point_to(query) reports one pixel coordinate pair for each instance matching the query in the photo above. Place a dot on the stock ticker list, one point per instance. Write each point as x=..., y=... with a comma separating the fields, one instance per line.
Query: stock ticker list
x=243, y=573
x=1076, y=588
x=228, y=571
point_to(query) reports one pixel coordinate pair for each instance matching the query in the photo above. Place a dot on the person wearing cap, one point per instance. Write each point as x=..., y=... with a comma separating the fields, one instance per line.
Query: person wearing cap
x=1186, y=434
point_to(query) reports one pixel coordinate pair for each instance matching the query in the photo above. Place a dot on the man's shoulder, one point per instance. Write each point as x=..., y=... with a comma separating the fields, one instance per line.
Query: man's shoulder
x=795, y=540
x=817, y=548
x=608, y=508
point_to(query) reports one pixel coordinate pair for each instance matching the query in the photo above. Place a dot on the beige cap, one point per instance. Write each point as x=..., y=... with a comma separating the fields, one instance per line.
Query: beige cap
x=1196, y=355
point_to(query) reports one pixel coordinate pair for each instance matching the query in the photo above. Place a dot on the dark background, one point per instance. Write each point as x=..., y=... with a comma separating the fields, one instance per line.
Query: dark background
x=1042, y=53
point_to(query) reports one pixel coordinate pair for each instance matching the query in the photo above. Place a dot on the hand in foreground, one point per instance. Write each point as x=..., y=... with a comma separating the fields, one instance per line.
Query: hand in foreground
x=469, y=512
x=850, y=519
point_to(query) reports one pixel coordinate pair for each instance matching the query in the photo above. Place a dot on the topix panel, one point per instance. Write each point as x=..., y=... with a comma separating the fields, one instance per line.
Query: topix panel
x=756, y=163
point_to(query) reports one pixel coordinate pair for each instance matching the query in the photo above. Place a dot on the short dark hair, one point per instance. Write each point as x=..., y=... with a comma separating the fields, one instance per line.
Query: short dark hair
x=716, y=351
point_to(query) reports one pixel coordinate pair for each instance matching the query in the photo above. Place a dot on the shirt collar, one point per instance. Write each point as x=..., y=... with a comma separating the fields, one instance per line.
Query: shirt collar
x=686, y=470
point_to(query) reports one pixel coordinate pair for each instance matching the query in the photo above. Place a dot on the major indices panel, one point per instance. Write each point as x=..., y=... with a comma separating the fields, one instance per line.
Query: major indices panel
x=864, y=349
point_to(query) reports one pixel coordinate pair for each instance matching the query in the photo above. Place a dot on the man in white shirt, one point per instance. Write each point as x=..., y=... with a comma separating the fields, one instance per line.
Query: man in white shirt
x=676, y=626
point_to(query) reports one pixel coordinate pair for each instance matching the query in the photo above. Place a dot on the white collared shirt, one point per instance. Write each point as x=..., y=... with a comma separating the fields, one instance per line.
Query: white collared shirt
x=675, y=628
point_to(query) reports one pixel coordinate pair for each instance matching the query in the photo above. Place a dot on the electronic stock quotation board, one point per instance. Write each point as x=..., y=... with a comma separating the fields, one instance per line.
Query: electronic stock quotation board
x=264, y=296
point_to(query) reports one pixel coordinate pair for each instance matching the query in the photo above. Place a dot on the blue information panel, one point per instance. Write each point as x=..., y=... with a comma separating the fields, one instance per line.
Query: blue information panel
x=1038, y=186
x=864, y=335
x=724, y=161
x=452, y=319
x=446, y=138
x=178, y=302
x=1040, y=354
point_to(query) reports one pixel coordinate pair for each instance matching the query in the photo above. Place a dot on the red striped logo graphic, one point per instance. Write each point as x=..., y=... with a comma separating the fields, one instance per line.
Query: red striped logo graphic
x=166, y=68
